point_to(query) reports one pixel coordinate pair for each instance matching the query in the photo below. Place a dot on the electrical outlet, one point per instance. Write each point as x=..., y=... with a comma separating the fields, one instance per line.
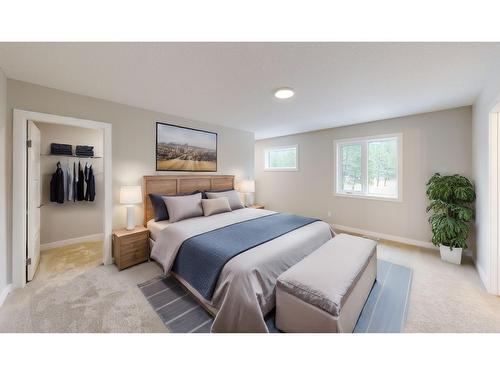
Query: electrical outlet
x=329, y=213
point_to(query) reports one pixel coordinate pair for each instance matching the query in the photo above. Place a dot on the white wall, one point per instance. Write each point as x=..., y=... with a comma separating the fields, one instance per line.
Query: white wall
x=484, y=104
x=71, y=219
x=5, y=258
x=133, y=139
x=432, y=142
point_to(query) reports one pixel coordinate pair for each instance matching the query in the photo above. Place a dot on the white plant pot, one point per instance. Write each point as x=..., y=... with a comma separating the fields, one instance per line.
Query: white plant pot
x=452, y=256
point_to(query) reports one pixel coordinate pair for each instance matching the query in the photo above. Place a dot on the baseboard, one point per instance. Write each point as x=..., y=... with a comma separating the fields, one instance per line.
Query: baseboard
x=484, y=278
x=4, y=293
x=384, y=236
x=72, y=241
x=390, y=237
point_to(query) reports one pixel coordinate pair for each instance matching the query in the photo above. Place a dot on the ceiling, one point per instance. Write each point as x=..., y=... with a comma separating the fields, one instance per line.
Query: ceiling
x=232, y=84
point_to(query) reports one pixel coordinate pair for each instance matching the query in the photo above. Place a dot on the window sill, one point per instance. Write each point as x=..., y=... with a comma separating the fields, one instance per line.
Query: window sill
x=281, y=169
x=369, y=197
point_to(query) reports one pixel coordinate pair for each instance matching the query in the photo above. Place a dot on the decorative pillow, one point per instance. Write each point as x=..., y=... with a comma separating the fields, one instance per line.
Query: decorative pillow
x=215, y=206
x=183, y=207
x=204, y=193
x=232, y=196
x=159, y=207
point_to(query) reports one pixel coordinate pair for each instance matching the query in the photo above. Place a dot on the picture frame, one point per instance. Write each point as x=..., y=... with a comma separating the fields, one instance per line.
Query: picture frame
x=183, y=149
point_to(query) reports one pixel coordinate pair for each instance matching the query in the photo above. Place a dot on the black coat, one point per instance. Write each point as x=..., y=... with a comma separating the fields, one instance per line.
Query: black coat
x=75, y=187
x=90, y=180
x=80, y=185
x=57, y=185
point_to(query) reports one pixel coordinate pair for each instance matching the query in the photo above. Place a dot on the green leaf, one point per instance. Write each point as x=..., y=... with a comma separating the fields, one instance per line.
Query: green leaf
x=450, y=206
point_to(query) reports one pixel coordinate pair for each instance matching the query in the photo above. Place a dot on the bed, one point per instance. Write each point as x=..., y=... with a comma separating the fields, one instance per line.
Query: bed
x=244, y=290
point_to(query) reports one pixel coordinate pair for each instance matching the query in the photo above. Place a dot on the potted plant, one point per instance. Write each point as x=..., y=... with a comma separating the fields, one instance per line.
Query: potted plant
x=451, y=200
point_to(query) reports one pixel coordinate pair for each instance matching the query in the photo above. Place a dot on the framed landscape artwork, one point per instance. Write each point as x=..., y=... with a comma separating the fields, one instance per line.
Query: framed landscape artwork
x=185, y=149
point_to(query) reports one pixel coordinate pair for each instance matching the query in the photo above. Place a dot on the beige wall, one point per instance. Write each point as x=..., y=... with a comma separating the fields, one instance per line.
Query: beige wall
x=133, y=138
x=70, y=219
x=486, y=102
x=5, y=258
x=432, y=142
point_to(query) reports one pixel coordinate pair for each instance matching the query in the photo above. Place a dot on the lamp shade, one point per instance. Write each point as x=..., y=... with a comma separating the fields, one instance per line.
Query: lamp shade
x=247, y=186
x=130, y=194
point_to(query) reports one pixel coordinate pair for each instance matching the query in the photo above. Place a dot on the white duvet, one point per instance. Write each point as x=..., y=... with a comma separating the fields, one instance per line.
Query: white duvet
x=245, y=290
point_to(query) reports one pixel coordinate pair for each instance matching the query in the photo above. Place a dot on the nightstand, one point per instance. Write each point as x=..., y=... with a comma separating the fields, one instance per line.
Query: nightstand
x=259, y=206
x=130, y=247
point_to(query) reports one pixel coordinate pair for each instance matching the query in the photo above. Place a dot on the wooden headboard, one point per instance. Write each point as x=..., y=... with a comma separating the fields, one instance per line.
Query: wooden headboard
x=181, y=184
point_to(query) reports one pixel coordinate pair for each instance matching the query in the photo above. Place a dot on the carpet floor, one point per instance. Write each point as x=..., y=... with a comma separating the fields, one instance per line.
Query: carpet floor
x=444, y=297
x=73, y=292
x=72, y=296
x=384, y=310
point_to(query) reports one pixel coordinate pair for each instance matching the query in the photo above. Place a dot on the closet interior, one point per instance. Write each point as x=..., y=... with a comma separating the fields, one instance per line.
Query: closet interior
x=71, y=188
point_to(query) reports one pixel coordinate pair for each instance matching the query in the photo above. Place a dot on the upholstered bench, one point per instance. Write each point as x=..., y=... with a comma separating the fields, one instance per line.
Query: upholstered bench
x=326, y=291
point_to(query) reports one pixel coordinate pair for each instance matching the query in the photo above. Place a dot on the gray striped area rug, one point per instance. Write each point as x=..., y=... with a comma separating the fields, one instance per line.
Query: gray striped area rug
x=384, y=311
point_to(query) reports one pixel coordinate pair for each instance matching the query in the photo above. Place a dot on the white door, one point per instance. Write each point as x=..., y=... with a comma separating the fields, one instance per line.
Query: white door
x=34, y=201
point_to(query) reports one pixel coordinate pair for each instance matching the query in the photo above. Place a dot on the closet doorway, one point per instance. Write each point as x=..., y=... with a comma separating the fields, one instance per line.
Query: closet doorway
x=68, y=220
x=60, y=215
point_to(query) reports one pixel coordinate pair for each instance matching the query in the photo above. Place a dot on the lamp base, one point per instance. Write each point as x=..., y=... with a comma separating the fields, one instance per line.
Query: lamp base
x=130, y=218
x=249, y=199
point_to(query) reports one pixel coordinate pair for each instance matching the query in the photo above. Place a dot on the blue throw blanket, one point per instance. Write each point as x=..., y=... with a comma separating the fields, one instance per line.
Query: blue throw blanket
x=201, y=258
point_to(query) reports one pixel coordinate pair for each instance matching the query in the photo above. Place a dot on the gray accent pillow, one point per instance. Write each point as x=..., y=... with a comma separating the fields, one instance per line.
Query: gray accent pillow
x=159, y=207
x=183, y=207
x=215, y=206
x=232, y=196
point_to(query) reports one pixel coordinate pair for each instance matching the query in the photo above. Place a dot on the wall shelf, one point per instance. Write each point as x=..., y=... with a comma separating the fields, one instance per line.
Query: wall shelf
x=72, y=156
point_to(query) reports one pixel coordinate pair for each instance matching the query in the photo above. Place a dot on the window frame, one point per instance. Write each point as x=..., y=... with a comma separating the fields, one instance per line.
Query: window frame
x=267, y=152
x=364, y=141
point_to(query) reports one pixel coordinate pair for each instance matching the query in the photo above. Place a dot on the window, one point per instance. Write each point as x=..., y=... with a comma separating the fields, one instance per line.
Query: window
x=284, y=158
x=369, y=167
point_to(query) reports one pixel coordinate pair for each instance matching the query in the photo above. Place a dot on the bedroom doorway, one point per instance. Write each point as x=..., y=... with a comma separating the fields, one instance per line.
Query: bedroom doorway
x=36, y=216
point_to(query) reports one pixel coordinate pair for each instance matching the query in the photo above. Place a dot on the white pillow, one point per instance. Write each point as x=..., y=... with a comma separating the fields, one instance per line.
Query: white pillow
x=183, y=207
x=215, y=206
x=232, y=196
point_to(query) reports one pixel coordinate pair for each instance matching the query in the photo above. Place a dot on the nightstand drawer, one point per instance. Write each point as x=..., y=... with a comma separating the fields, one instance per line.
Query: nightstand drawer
x=132, y=243
x=134, y=237
x=129, y=248
x=133, y=258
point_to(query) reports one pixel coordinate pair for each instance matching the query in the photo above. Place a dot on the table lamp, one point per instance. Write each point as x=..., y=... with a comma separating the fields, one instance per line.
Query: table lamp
x=247, y=188
x=130, y=195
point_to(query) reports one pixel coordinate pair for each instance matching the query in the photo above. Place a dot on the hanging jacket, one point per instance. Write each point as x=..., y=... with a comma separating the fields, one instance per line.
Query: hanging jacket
x=65, y=182
x=69, y=190
x=85, y=176
x=89, y=179
x=80, y=187
x=57, y=185
x=75, y=180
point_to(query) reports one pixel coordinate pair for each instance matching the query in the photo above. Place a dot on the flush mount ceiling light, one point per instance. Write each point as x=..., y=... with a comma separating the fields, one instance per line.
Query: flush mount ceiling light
x=284, y=93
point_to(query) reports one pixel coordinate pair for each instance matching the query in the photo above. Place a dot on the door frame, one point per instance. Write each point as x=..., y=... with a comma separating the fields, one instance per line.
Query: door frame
x=19, y=196
x=493, y=272
x=35, y=261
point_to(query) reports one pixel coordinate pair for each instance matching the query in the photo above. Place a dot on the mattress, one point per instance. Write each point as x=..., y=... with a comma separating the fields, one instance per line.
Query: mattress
x=155, y=227
x=244, y=292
